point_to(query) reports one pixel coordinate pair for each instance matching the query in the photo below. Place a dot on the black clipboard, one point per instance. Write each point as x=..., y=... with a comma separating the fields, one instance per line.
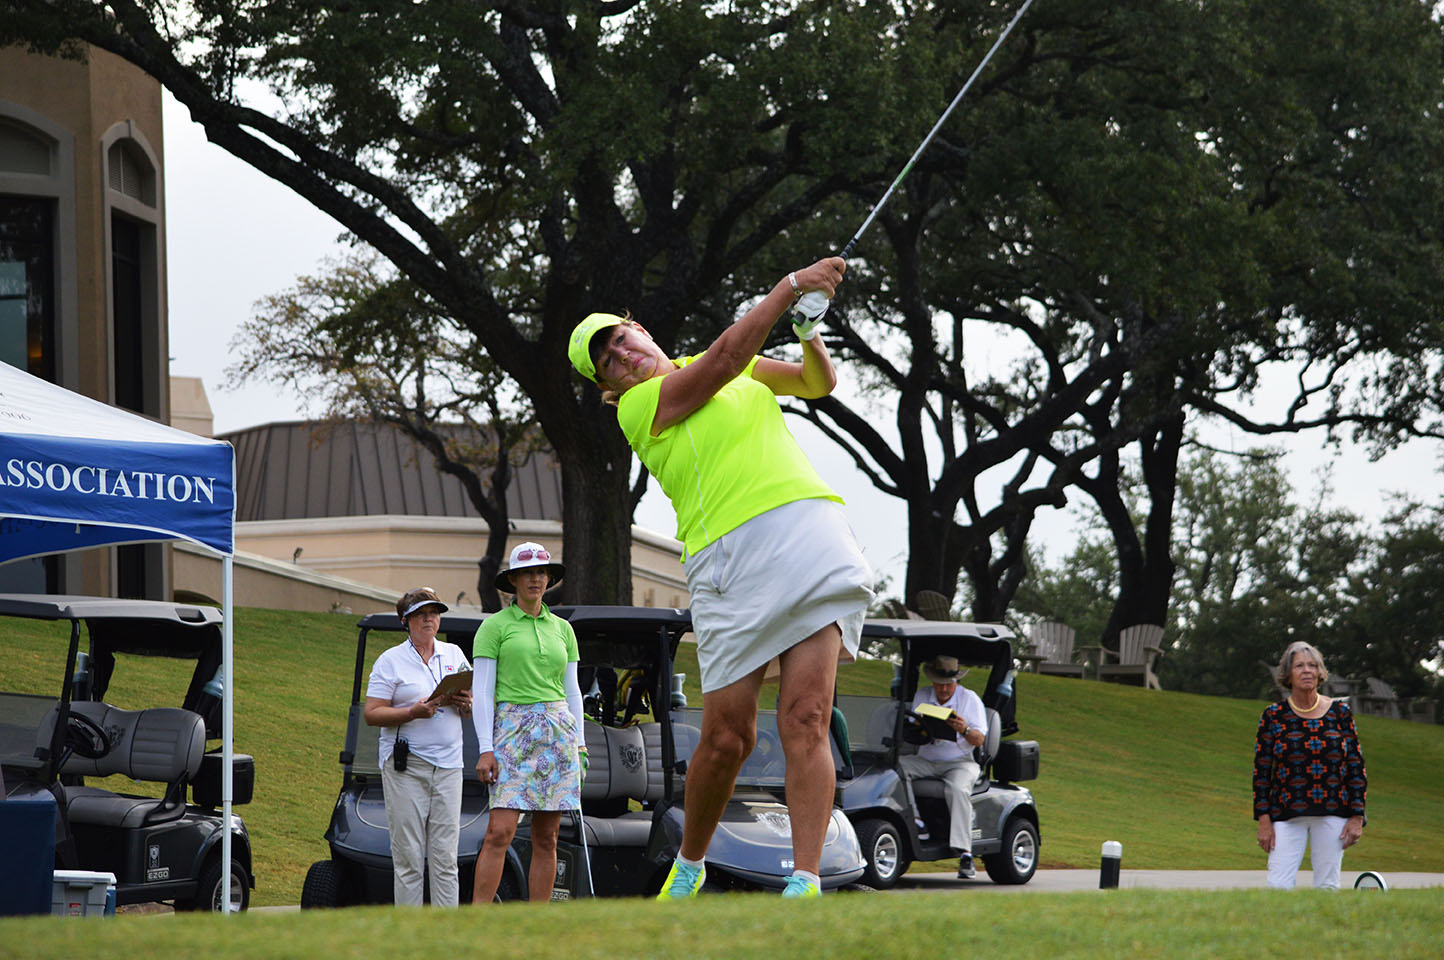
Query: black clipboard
x=452, y=683
x=934, y=720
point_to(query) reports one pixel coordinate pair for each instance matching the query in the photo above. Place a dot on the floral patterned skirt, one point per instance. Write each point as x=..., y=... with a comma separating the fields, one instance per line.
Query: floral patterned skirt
x=536, y=758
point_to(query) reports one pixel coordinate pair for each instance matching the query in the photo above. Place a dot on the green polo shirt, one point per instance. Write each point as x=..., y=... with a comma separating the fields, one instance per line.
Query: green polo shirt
x=730, y=460
x=531, y=654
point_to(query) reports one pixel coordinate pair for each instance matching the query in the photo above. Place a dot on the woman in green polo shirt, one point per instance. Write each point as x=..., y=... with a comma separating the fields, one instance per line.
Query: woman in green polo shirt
x=773, y=568
x=532, y=751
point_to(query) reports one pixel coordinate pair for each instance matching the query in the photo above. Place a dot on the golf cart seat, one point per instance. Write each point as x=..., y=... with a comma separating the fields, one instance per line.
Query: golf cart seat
x=162, y=744
x=616, y=763
x=935, y=788
x=620, y=768
x=684, y=740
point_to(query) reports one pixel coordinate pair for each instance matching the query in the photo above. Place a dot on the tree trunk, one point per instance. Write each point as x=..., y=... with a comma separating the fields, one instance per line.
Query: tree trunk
x=597, y=543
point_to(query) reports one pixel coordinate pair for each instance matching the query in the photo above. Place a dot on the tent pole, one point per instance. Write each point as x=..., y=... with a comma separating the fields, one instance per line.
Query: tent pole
x=227, y=720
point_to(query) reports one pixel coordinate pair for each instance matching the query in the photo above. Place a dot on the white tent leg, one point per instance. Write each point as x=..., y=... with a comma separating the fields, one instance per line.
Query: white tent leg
x=227, y=721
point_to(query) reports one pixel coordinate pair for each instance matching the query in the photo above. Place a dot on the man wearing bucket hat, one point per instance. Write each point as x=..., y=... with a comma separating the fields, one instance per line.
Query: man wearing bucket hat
x=772, y=566
x=420, y=750
x=528, y=715
x=951, y=760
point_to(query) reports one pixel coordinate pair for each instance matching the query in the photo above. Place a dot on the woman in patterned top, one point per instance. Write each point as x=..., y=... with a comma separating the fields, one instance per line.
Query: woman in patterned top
x=1308, y=775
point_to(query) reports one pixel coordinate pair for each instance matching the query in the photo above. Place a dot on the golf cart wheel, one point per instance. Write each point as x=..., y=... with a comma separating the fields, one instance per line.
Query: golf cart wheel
x=1017, y=856
x=508, y=889
x=210, y=890
x=322, y=889
x=882, y=850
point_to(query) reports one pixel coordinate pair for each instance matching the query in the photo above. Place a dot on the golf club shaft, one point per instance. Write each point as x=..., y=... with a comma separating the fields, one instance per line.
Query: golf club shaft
x=847, y=250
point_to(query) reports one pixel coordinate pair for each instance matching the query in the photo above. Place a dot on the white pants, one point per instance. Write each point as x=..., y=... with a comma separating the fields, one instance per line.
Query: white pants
x=423, y=813
x=1326, y=851
x=959, y=777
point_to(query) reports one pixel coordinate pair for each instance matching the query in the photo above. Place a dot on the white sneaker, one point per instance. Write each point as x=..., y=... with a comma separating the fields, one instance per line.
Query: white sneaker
x=922, y=828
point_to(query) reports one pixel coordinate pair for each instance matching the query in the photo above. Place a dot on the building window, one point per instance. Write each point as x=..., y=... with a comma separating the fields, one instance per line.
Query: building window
x=27, y=284
x=129, y=313
x=130, y=172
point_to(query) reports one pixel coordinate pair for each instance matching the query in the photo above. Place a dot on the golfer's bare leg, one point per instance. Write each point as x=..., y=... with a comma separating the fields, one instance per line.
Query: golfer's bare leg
x=500, y=828
x=804, y=716
x=543, y=873
x=729, y=731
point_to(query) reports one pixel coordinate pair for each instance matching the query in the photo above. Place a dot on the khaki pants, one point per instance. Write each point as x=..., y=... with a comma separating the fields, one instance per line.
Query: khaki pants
x=423, y=813
x=959, y=777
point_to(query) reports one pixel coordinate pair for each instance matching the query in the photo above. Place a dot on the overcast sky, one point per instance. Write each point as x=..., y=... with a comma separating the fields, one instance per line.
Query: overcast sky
x=236, y=236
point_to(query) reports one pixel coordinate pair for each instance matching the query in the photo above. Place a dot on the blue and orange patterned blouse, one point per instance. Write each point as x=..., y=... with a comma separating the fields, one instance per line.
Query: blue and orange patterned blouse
x=1308, y=768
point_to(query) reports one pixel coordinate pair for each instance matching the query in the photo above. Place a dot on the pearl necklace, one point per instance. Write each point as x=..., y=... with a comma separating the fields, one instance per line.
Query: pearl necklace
x=1293, y=703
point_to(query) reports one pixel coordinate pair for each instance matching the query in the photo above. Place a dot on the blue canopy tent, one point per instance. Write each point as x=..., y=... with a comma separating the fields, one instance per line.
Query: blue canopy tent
x=77, y=473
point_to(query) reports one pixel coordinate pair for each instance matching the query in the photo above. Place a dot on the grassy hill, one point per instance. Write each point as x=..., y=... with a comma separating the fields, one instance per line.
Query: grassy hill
x=1167, y=774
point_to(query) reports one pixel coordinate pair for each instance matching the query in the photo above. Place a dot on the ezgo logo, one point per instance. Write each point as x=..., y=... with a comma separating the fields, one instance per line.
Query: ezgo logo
x=154, y=870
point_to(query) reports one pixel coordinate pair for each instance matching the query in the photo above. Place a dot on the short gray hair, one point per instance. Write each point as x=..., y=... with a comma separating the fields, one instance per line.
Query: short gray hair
x=1286, y=665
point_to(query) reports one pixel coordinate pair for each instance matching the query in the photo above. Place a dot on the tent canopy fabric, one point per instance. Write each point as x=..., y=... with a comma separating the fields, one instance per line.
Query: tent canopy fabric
x=75, y=473
x=78, y=473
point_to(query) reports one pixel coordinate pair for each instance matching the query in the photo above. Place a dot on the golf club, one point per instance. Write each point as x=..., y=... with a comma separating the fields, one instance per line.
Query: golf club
x=811, y=306
x=586, y=854
x=847, y=250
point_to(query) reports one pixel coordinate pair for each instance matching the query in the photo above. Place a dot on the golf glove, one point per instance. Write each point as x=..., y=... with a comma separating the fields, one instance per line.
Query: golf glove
x=810, y=308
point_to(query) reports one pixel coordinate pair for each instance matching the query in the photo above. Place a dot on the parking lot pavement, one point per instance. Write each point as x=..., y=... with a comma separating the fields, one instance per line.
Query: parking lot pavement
x=1067, y=881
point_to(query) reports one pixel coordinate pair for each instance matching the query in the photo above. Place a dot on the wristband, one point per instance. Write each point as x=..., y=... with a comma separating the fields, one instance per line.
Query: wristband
x=792, y=279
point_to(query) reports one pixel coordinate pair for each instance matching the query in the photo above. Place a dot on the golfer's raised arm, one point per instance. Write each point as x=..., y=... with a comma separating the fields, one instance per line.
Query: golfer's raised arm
x=685, y=390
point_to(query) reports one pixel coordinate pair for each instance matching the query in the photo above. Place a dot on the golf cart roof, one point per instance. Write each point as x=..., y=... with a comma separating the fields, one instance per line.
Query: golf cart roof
x=154, y=628
x=58, y=607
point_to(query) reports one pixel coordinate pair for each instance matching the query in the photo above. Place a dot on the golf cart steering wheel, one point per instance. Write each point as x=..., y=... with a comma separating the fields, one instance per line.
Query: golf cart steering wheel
x=85, y=737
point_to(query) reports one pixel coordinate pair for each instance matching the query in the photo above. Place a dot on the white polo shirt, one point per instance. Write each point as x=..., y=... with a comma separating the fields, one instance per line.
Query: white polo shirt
x=964, y=703
x=402, y=678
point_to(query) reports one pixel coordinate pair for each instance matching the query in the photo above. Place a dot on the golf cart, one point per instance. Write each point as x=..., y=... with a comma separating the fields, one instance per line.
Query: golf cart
x=160, y=848
x=883, y=728
x=632, y=796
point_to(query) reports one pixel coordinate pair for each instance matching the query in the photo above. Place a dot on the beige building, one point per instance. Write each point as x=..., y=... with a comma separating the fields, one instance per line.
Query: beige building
x=350, y=515
x=82, y=265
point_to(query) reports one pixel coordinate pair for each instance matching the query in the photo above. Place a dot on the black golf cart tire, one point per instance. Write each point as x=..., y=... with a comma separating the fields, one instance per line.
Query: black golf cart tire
x=209, y=882
x=1019, y=842
x=508, y=888
x=322, y=888
x=881, y=841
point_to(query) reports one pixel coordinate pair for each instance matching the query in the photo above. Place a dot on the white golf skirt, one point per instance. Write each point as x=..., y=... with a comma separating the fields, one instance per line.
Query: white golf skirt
x=773, y=582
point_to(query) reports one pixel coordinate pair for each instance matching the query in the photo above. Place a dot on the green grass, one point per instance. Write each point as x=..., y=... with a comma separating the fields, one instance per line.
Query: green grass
x=1137, y=923
x=1167, y=774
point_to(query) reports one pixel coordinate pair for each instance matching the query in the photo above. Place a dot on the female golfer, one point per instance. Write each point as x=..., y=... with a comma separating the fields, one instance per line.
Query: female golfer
x=532, y=751
x=772, y=565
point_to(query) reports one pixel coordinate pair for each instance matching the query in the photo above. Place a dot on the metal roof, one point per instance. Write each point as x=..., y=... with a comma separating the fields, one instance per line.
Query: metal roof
x=307, y=469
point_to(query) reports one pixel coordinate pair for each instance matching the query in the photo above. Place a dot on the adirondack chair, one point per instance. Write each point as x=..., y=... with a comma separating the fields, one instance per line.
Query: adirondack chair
x=1138, y=648
x=1377, y=698
x=1053, y=646
x=933, y=605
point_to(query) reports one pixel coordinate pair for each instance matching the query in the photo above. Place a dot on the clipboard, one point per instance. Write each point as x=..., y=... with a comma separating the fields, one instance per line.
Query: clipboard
x=935, y=721
x=452, y=683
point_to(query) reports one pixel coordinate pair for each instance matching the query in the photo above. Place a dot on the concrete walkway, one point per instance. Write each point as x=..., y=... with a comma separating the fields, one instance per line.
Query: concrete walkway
x=1067, y=881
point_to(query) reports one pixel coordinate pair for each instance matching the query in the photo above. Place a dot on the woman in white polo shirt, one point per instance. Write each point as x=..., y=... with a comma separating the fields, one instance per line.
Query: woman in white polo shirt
x=420, y=778
x=532, y=751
